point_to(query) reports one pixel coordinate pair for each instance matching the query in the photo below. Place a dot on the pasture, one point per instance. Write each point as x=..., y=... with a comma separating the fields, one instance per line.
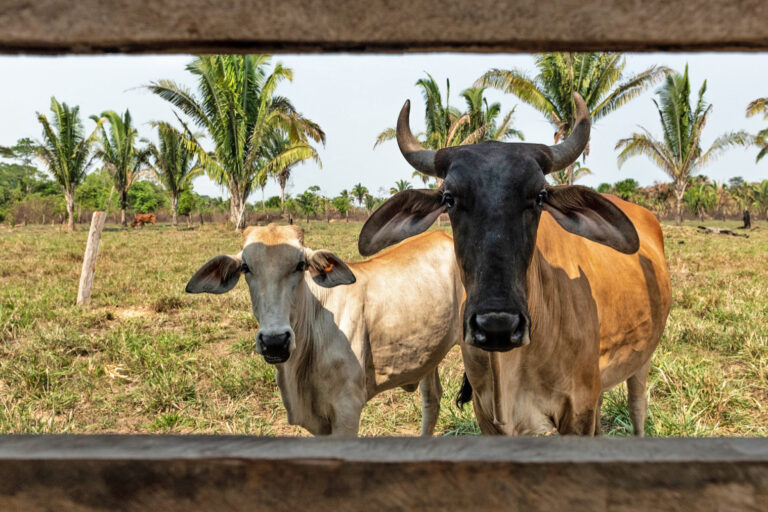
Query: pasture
x=146, y=357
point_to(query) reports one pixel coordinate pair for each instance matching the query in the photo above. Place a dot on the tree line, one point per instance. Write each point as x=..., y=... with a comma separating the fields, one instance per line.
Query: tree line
x=256, y=134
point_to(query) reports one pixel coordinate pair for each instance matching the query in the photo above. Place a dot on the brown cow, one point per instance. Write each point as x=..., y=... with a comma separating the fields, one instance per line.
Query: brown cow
x=567, y=290
x=571, y=281
x=143, y=218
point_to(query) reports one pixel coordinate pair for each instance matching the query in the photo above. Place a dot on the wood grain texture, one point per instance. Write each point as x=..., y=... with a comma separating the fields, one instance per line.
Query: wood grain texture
x=68, y=473
x=86, y=26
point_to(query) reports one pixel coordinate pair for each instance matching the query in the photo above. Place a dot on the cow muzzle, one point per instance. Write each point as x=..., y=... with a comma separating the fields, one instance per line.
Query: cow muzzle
x=498, y=332
x=276, y=348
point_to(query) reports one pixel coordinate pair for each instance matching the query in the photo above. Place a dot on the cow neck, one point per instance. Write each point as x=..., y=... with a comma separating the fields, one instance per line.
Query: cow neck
x=542, y=292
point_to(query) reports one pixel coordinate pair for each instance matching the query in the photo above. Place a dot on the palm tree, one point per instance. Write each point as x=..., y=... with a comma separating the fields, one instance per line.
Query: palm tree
x=66, y=151
x=679, y=153
x=400, y=185
x=597, y=76
x=447, y=126
x=760, y=106
x=760, y=196
x=562, y=176
x=121, y=156
x=173, y=162
x=342, y=203
x=359, y=192
x=237, y=105
x=281, y=156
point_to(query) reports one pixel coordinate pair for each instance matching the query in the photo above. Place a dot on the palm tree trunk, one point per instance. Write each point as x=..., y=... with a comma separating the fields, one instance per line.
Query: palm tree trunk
x=69, y=196
x=263, y=203
x=174, y=208
x=282, y=196
x=679, y=192
x=240, y=221
x=123, y=204
x=569, y=170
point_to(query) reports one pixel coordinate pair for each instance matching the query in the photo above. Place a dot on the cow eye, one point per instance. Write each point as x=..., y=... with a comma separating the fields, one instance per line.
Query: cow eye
x=541, y=198
x=244, y=268
x=448, y=200
x=301, y=267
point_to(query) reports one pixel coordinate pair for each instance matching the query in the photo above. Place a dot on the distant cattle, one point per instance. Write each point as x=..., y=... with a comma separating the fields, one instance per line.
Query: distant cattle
x=335, y=347
x=143, y=218
x=568, y=290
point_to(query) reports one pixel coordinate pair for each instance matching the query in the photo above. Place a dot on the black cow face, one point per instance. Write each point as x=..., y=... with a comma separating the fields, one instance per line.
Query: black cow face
x=494, y=194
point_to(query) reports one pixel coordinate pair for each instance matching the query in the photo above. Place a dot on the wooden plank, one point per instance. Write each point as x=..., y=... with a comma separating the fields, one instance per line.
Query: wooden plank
x=85, y=26
x=89, y=259
x=69, y=473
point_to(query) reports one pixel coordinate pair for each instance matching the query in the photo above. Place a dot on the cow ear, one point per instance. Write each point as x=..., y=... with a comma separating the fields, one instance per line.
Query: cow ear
x=584, y=212
x=218, y=275
x=328, y=270
x=406, y=214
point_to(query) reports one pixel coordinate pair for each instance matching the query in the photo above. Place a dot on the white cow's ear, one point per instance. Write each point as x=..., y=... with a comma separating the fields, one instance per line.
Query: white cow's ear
x=218, y=275
x=328, y=270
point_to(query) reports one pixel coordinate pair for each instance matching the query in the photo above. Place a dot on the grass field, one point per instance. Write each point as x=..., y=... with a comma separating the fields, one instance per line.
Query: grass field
x=145, y=357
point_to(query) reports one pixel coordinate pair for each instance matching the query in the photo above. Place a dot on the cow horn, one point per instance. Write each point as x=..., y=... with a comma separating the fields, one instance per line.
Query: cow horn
x=423, y=160
x=565, y=153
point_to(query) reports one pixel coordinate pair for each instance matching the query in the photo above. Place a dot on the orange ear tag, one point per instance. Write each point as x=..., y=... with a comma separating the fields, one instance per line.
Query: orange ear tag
x=328, y=268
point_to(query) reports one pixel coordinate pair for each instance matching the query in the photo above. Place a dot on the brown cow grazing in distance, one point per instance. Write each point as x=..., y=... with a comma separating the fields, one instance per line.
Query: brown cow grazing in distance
x=568, y=290
x=335, y=347
x=143, y=218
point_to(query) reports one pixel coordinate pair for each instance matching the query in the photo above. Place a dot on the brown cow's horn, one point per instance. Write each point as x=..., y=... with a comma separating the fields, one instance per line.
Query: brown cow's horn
x=565, y=153
x=421, y=159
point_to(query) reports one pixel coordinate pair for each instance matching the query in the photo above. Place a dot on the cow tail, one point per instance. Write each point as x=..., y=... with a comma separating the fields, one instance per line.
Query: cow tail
x=464, y=395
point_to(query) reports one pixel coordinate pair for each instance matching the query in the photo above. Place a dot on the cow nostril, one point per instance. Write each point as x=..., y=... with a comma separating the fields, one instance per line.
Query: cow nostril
x=492, y=323
x=518, y=331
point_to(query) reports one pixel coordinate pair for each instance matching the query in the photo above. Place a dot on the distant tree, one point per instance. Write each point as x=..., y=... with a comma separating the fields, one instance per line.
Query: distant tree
x=238, y=106
x=25, y=150
x=308, y=201
x=598, y=77
x=679, y=153
x=447, y=126
x=605, y=188
x=282, y=156
x=173, y=163
x=188, y=202
x=760, y=197
x=626, y=189
x=66, y=151
x=562, y=176
x=372, y=202
x=118, y=150
x=145, y=197
x=359, y=192
x=760, y=106
x=400, y=185
x=342, y=203
x=274, y=202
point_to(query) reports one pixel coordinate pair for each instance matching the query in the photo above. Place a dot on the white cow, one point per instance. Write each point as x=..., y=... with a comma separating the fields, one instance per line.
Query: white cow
x=335, y=347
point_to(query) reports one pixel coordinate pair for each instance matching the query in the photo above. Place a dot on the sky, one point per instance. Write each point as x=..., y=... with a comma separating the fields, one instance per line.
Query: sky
x=355, y=97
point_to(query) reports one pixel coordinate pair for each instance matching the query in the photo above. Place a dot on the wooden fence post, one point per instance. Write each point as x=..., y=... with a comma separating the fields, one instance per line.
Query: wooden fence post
x=89, y=260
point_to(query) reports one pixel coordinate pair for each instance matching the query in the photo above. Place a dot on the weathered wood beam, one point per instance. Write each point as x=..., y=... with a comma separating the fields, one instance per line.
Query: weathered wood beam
x=95, y=26
x=69, y=473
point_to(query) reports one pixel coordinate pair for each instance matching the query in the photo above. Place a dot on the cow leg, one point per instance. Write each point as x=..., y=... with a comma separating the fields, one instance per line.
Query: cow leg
x=598, y=416
x=431, y=393
x=637, y=399
x=346, y=413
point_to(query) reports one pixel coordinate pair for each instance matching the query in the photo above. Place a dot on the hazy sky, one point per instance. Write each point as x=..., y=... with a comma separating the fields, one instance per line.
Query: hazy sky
x=355, y=97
